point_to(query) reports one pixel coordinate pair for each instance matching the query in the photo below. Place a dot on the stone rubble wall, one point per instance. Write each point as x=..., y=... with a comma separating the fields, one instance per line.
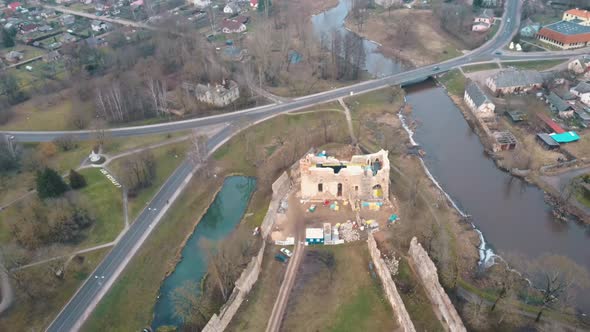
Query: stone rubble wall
x=428, y=275
x=391, y=292
x=249, y=276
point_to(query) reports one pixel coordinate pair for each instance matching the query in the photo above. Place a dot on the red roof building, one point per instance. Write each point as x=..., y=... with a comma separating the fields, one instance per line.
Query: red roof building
x=14, y=5
x=254, y=3
x=551, y=124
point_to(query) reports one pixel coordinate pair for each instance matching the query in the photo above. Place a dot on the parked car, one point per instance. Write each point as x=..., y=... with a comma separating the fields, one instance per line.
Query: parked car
x=281, y=258
x=287, y=252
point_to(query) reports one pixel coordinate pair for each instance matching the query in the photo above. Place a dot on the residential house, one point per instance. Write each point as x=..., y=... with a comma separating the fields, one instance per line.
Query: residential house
x=579, y=65
x=200, y=3
x=582, y=91
x=563, y=109
x=547, y=142
x=480, y=27
x=516, y=116
x=514, y=81
x=550, y=125
x=529, y=30
x=577, y=15
x=27, y=28
x=485, y=17
x=99, y=26
x=231, y=8
x=583, y=115
x=363, y=177
x=13, y=56
x=232, y=26
x=67, y=38
x=14, y=6
x=67, y=19
x=51, y=56
x=478, y=101
x=219, y=95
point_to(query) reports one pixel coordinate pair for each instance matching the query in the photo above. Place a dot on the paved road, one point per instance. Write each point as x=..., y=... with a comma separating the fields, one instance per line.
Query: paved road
x=507, y=29
x=91, y=292
x=120, y=21
x=83, y=302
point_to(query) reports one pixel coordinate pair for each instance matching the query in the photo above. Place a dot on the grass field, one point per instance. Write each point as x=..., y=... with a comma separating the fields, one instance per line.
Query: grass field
x=36, y=115
x=34, y=314
x=480, y=67
x=454, y=82
x=107, y=204
x=534, y=65
x=335, y=291
x=167, y=160
x=129, y=304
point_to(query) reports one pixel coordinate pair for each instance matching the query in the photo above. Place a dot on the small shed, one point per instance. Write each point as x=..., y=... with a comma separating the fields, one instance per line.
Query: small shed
x=314, y=236
x=504, y=141
x=547, y=142
x=516, y=116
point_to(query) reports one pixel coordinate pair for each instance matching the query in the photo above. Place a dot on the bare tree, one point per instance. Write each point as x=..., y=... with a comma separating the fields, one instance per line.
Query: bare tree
x=199, y=153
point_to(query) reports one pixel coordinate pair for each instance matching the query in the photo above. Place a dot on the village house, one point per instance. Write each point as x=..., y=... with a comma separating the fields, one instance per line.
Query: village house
x=579, y=66
x=232, y=26
x=28, y=28
x=530, y=29
x=582, y=91
x=13, y=56
x=485, y=17
x=564, y=110
x=200, y=3
x=231, y=8
x=583, y=115
x=99, y=26
x=364, y=177
x=478, y=101
x=67, y=19
x=219, y=95
x=514, y=81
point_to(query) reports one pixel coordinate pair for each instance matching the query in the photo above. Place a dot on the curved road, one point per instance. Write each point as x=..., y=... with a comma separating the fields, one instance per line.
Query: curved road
x=77, y=310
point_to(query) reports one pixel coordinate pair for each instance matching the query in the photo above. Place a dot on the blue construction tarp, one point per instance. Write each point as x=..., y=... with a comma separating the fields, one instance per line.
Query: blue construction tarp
x=567, y=137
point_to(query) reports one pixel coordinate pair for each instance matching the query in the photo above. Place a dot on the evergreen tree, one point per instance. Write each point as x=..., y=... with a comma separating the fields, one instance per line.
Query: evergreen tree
x=8, y=37
x=50, y=184
x=77, y=180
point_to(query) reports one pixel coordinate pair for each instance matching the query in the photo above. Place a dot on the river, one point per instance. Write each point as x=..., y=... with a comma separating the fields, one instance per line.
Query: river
x=217, y=223
x=511, y=214
x=333, y=20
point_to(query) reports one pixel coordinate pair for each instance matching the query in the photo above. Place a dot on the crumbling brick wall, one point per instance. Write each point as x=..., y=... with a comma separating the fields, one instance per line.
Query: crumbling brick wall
x=428, y=275
x=391, y=292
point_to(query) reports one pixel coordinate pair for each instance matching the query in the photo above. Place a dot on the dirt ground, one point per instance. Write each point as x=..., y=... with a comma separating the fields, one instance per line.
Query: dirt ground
x=428, y=44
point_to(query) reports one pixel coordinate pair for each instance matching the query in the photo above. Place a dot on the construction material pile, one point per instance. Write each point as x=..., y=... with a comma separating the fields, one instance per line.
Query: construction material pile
x=348, y=232
x=392, y=264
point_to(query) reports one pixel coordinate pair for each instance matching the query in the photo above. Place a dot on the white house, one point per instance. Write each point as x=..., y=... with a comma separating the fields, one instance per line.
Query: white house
x=480, y=27
x=201, y=3
x=582, y=90
x=232, y=26
x=231, y=8
x=478, y=101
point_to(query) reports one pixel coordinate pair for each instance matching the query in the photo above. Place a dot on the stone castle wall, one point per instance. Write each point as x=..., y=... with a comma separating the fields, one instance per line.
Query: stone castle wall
x=403, y=318
x=428, y=275
x=249, y=276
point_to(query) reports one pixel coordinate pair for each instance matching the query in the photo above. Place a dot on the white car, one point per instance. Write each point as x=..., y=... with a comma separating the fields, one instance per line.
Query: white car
x=287, y=252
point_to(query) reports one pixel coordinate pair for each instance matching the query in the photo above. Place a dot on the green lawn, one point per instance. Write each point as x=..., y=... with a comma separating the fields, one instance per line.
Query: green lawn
x=107, y=204
x=338, y=296
x=480, y=67
x=534, y=65
x=454, y=82
x=35, y=314
x=32, y=116
x=167, y=160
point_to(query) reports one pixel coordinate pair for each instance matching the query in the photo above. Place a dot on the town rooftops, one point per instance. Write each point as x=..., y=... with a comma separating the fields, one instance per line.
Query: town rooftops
x=567, y=137
x=550, y=123
x=578, y=13
x=513, y=77
x=566, y=32
x=547, y=140
x=559, y=104
x=476, y=94
x=582, y=87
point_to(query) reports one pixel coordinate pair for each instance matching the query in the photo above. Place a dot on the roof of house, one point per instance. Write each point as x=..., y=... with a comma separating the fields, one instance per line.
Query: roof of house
x=231, y=25
x=505, y=137
x=314, y=233
x=567, y=137
x=566, y=32
x=513, y=77
x=582, y=87
x=233, y=6
x=552, y=124
x=476, y=94
x=579, y=13
x=516, y=116
x=546, y=138
x=558, y=103
x=583, y=115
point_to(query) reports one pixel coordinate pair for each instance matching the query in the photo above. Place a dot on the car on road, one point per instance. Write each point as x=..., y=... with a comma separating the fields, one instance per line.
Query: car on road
x=436, y=68
x=498, y=53
x=287, y=252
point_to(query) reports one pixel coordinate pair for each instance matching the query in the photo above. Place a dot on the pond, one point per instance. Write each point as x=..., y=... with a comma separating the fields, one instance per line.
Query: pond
x=219, y=221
